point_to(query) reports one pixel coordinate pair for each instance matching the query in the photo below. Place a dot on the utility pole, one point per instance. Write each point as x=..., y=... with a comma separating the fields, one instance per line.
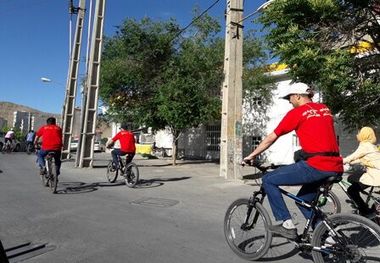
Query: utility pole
x=231, y=126
x=91, y=89
x=72, y=79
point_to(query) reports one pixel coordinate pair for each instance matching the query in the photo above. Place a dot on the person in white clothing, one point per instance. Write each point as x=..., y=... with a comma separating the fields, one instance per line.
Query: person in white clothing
x=9, y=136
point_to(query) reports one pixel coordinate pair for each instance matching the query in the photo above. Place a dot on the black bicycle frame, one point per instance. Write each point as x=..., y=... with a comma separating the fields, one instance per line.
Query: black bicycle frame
x=315, y=211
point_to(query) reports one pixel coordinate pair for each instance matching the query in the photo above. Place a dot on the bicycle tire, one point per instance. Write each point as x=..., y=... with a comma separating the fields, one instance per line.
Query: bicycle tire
x=111, y=174
x=131, y=175
x=331, y=205
x=358, y=240
x=53, y=178
x=8, y=148
x=44, y=179
x=29, y=149
x=233, y=223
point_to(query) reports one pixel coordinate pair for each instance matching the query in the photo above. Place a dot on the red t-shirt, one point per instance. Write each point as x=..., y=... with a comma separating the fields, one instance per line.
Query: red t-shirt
x=127, y=141
x=314, y=126
x=51, y=137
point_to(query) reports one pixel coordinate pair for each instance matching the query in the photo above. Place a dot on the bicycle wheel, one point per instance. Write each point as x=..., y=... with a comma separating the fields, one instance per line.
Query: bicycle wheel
x=29, y=148
x=53, y=178
x=249, y=241
x=111, y=173
x=330, y=204
x=357, y=240
x=131, y=175
x=44, y=179
x=8, y=148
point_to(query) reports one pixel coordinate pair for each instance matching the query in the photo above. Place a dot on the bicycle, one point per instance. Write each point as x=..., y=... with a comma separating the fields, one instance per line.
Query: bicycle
x=7, y=148
x=338, y=237
x=129, y=171
x=49, y=177
x=370, y=197
x=29, y=147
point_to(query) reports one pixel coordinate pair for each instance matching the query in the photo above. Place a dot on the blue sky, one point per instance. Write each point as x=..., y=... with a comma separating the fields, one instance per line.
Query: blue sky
x=34, y=37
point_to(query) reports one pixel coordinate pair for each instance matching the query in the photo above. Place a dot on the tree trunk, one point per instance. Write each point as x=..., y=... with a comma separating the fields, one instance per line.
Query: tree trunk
x=174, y=152
x=175, y=146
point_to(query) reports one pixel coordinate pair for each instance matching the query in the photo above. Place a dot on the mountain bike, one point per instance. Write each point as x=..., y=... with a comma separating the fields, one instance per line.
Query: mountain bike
x=49, y=177
x=130, y=172
x=336, y=238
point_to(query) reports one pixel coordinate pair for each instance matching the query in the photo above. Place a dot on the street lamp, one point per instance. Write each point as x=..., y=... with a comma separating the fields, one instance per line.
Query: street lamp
x=43, y=79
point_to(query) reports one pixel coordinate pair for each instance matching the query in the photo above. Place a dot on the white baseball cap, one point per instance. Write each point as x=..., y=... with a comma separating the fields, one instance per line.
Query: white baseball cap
x=298, y=88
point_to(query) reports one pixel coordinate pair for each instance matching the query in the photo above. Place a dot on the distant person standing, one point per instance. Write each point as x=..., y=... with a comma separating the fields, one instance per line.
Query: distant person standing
x=51, y=135
x=127, y=145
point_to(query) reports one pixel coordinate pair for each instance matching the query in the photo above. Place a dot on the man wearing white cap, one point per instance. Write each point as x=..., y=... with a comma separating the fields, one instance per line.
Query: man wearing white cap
x=314, y=126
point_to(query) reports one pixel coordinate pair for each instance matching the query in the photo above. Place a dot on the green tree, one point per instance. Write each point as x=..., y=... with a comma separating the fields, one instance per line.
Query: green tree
x=316, y=39
x=132, y=65
x=156, y=77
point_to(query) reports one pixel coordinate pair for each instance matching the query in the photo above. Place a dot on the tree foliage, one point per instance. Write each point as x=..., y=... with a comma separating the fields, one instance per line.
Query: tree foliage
x=155, y=76
x=324, y=44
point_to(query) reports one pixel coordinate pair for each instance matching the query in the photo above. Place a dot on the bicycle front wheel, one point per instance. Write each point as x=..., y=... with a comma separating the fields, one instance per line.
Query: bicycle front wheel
x=131, y=175
x=357, y=240
x=111, y=173
x=246, y=229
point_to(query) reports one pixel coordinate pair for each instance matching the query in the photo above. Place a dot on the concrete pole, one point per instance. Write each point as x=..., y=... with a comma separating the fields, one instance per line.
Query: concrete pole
x=231, y=127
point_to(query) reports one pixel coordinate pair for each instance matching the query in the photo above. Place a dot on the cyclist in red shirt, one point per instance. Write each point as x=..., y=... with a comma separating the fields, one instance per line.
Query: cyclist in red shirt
x=51, y=135
x=314, y=126
x=127, y=145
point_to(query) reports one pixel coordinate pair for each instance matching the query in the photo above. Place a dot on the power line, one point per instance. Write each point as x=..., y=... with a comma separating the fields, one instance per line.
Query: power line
x=195, y=19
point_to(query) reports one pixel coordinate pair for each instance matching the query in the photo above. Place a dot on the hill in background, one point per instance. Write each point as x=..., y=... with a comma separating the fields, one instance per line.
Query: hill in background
x=7, y=110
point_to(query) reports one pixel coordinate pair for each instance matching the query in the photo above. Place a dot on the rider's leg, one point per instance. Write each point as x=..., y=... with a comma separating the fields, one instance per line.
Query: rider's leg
x=299, y=173
x=115, y=153
x=57, y=160
x=354, y=192
x=129, y=157
x=309, y=191
x=41, y=159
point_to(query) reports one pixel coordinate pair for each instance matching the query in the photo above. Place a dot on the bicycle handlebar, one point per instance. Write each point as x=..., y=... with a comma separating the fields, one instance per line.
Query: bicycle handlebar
x=260, y=166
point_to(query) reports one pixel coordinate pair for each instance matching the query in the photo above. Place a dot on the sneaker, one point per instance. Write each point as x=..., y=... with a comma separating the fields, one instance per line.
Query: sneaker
x=282, y=231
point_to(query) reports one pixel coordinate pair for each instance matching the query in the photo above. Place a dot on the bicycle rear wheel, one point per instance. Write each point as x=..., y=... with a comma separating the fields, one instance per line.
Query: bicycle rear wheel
x=8, y=148
x=330, y=204
x=357, y=240
x=29, y=148
x=111, y=173
x=131, y=175
x=53, y=178
x=250, y=241
x=44, y=179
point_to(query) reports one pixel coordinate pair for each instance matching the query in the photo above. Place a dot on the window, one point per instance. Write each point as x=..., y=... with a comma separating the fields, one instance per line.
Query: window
x=213, y=137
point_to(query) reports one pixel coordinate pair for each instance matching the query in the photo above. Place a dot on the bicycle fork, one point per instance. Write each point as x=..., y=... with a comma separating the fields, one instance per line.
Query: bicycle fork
x=251, y=204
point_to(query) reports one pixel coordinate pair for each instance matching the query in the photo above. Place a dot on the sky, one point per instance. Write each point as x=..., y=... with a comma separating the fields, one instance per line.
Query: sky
x=34, y=41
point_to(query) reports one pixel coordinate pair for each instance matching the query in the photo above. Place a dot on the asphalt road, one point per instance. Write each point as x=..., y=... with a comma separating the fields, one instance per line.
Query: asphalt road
x=175, y=214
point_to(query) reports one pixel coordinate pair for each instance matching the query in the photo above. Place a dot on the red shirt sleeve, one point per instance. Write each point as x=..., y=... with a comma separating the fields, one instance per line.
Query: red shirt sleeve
x=289, y=123
x=116, y=137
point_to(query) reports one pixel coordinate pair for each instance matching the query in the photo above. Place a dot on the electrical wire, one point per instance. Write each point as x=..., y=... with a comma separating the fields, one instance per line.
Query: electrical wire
x=194, y=20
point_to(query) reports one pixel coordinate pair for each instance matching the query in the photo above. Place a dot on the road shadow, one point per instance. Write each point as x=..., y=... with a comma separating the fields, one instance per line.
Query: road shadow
x=253, y=176
x=75, y=188
x=281, y=249
x=81, y=187
x=155, y=182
